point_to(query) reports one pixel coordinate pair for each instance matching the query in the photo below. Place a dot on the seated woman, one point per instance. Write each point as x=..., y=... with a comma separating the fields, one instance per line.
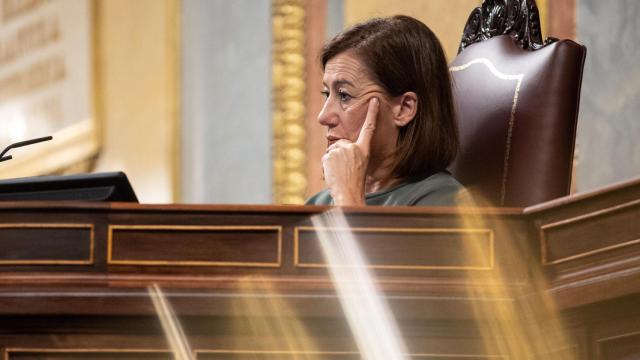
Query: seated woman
x=389, y=114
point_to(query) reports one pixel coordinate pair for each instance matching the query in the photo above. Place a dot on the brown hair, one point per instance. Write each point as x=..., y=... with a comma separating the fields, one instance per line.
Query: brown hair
x=404, y=55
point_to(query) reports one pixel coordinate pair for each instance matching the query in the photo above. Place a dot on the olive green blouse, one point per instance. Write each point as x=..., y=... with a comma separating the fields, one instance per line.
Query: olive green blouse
x=440, y=189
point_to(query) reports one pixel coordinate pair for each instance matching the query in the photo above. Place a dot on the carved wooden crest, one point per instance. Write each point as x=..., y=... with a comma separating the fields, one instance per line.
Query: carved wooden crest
x=518, y=18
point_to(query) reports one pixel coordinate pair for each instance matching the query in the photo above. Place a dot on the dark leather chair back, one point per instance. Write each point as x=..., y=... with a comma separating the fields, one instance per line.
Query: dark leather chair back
x=517, y=112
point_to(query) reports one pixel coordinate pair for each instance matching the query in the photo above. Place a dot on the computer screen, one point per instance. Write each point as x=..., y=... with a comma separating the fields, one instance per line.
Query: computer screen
x=108, y=186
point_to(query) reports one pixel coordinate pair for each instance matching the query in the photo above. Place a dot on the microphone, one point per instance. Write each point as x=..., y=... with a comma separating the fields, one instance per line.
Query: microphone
x=20, y=144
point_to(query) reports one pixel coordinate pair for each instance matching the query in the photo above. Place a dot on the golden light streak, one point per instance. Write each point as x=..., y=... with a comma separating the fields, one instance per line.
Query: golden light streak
x=369, y=317
x=527, y=327
x=171, y=326
x=272, y=324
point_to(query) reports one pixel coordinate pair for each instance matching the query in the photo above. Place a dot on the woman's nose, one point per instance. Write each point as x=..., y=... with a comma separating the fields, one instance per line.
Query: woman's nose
x=327, y=116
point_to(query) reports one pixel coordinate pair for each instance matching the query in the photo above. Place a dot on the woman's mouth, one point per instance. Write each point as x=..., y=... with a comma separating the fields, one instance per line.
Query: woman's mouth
x=331, y=140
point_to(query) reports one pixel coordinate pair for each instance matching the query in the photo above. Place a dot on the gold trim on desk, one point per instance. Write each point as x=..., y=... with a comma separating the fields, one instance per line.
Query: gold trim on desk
x=7, y=351
x=584, y=217
x=89, y=261
x=112, y=228
x=298, y=229
x=329, y=353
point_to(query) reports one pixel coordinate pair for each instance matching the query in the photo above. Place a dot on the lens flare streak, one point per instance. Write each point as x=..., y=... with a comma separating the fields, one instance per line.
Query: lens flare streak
x=171, y=326
x=370, y=319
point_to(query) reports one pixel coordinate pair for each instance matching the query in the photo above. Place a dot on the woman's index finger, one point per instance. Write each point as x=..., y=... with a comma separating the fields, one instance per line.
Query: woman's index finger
x=369, y=126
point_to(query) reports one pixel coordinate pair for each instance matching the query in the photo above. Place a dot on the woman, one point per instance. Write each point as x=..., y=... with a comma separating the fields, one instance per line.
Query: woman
x=389, y=115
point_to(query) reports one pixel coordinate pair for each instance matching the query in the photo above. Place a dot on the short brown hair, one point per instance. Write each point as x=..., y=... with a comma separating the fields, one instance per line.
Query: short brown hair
x=403, y=55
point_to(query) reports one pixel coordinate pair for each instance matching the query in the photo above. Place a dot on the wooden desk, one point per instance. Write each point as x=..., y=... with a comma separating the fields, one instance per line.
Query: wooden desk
x=246, y=280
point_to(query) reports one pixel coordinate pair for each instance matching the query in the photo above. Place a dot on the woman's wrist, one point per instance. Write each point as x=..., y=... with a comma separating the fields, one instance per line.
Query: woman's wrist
x=348, y=200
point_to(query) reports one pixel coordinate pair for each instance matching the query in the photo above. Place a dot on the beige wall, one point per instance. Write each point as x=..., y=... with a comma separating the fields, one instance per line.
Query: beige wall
x=137, y=69
x=445, y=18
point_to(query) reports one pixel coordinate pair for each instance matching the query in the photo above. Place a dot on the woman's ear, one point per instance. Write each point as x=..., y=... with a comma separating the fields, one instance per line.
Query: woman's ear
x=405, y=108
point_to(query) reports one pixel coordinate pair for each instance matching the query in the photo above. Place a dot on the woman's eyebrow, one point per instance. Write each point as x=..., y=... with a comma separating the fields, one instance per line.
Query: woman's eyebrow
x=341, y=82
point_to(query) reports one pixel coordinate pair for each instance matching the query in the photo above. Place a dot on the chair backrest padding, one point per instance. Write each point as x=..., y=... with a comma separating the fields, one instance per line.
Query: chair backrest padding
x=517, y=112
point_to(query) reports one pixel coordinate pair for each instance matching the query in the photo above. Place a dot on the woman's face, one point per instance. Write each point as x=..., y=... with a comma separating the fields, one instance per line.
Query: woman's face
x=347, y=88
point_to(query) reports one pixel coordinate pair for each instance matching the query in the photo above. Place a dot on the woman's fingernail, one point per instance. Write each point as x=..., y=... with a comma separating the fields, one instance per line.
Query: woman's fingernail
x=375, y=101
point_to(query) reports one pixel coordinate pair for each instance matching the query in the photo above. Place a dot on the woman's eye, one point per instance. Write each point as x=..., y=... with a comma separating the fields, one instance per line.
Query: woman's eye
x=325, y=94
x=344, y=97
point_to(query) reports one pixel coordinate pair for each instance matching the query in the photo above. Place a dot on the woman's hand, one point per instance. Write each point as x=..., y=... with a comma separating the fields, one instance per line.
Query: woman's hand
x=345, y=162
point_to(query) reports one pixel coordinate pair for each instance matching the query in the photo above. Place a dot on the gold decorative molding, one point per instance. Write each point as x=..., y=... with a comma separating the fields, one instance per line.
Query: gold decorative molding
x=288, y=89
x=114, y=228
x=487, y=232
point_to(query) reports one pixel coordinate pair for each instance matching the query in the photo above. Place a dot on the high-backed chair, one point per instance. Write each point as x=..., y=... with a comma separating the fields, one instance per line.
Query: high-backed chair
x=517, y=105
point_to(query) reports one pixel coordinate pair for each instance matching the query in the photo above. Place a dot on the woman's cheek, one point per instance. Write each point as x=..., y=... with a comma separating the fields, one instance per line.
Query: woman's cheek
x=359, y=123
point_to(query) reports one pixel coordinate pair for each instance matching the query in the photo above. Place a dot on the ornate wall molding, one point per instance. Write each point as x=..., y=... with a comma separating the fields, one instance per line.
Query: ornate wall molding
x=288, y=113
x=518, y=18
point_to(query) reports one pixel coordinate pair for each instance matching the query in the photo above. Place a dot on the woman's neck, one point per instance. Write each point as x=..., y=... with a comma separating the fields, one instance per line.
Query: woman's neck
x=380, y=175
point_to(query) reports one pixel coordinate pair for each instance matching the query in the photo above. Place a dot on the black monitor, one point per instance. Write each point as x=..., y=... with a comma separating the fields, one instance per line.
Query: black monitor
x=109, y=186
